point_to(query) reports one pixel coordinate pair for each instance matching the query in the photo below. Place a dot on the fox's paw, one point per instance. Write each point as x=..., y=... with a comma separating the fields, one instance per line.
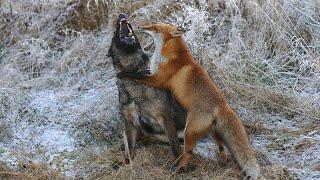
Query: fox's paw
x=181, y=162
x=122, y=75
x=175, y=166
x=146, y=72
x=134, y=75
x=223, y=158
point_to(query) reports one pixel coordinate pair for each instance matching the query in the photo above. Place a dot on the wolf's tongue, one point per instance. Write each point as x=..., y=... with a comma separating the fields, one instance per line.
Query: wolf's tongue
x=124, y=29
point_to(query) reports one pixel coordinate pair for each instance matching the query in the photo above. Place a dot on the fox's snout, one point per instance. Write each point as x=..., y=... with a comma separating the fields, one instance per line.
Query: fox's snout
x=143, y=28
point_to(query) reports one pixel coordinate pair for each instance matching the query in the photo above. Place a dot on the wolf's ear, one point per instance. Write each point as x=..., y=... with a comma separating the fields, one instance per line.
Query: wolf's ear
x=178, y=32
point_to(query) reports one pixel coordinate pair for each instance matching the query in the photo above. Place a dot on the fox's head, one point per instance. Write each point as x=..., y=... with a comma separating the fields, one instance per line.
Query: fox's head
x=167, y=30
x=160, y=32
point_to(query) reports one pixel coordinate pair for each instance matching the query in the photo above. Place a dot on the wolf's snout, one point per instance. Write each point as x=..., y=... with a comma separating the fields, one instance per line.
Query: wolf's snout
x=122, y=16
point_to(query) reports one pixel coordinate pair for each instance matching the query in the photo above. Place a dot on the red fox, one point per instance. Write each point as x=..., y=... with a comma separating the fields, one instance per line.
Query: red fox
x=208, y=110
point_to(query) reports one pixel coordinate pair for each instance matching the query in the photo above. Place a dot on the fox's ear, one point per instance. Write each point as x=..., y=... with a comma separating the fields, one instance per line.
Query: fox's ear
x=178, y=32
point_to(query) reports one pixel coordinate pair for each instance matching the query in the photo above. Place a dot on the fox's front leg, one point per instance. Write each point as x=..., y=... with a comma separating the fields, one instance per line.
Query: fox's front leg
x=143, y=77
x=134, y=75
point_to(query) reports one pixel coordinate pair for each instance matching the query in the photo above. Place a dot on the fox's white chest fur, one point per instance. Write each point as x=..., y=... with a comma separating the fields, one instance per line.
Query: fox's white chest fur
x=156, y=58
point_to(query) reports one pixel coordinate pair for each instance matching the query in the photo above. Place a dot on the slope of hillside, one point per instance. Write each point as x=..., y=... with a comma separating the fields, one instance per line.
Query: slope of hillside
x=59, y=114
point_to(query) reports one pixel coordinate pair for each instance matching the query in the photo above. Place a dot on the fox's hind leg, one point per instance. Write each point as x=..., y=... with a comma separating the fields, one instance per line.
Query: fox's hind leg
x=196, y=127
x=221, y=144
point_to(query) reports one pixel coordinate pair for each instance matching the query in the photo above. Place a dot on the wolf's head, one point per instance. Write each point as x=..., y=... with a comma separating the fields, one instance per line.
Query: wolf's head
x=125, y=48
x=124, y=35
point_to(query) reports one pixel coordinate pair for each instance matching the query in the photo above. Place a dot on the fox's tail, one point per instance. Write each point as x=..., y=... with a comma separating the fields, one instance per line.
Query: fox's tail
x=232, y=131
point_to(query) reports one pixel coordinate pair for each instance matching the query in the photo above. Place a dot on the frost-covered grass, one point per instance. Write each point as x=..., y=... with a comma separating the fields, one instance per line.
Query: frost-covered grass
x=59, y=102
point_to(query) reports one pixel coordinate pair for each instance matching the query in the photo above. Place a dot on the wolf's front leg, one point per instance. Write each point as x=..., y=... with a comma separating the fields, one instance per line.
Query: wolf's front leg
x=131, y=132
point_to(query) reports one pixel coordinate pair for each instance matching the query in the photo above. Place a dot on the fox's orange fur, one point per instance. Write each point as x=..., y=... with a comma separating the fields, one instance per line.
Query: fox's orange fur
x=208, y=109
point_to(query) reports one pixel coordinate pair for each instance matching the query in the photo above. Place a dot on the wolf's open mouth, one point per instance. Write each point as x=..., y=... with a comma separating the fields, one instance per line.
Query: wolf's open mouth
x=126, y=32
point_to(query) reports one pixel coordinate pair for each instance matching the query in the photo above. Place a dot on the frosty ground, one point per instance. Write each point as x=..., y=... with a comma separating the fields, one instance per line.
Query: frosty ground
x=59, y=115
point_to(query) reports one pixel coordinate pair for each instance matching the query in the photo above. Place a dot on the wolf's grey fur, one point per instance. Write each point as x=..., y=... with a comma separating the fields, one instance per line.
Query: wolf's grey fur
x=146, y=110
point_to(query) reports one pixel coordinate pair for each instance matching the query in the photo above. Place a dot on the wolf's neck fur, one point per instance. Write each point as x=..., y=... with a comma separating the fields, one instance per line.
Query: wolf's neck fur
x=157, y=57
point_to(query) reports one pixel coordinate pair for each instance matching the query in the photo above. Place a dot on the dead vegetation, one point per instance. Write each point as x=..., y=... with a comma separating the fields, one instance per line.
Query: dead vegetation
x=154, y=161
x=85, y=15
x=56, y=78
x=28, y=171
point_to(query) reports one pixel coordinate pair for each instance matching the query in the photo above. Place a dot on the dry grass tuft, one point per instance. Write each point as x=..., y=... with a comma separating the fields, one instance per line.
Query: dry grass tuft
x=154, y=161
x=28, y=170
